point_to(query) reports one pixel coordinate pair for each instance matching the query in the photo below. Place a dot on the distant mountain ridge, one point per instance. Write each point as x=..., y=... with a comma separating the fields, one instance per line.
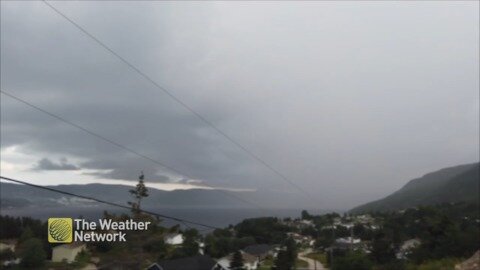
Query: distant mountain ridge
x=15, y=196
x=453, y=184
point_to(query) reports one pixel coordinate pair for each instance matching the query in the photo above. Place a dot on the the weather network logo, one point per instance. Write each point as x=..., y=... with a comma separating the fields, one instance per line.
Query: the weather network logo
x=60, y=230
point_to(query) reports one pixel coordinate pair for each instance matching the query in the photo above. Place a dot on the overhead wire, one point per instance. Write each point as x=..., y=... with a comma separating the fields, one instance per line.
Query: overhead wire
x=128, y=149
x=184, y=221
x=177, y=100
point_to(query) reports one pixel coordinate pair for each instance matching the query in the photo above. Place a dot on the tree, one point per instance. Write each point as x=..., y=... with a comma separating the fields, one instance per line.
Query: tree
x=138, y=193
x=265, y=230
x=281, y=261
x=190, y=244
x=26, y=234
x=382, y=248
x=291, y=251
x=237, y=261
x=352, y=260
x=32, y=254
x=286, y=257
x=306, y=215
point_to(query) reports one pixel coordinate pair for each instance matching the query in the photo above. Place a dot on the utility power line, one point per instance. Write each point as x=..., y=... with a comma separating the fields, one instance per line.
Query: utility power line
x=185, y=222
x=177, y=99
x=110, y=203
x=101, y=137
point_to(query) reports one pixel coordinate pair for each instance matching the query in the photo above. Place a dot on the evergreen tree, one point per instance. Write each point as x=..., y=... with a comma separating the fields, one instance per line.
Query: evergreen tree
x=26, y=235
x=306, y=215
x=281, y=262
x=139, y=192
x=237, y=261
x=32, y=254
x=190, y=244
x=286, y=257
x=291, y=251
x=382, y=248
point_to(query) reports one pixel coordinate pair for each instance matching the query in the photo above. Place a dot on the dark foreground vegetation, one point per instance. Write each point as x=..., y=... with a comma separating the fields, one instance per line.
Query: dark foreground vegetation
x=447, y=234
x=430, y=237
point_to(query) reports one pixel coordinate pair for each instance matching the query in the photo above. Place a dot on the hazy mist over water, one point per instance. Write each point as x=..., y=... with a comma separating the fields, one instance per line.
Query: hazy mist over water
x=220, y=217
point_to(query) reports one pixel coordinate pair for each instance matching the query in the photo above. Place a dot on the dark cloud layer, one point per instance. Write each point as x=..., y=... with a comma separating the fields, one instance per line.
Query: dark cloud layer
x=348, y=100
x=46, y=164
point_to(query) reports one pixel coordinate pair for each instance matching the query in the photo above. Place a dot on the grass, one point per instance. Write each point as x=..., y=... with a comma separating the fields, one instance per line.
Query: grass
x=301, y=263
x=318, y=256
x=441, y=264
x=267, y=264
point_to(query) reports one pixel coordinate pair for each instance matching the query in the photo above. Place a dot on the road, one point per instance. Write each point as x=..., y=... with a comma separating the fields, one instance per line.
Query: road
x=311, y=262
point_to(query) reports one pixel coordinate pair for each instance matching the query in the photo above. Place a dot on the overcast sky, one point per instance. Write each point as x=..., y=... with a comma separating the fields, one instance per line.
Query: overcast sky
x=348, y=100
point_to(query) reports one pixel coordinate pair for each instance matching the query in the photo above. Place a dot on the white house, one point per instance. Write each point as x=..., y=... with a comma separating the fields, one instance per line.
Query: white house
x=260, y=251
x=406, y=248
x=8, y=244
x=198, y=262
x=250, y=262
x=364, y=219
x=347, y=240
x=173, y=239
x=67, y=252
x=201, y=247
x=300, y=239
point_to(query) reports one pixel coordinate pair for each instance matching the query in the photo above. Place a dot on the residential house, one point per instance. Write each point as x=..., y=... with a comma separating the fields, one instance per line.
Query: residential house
x=328, y=227
x=346, y=225
x=347, y=240
x=121, y=265
x=364, y=219
x=67, y=252
x=11, y=263
x=347, y=243
x=201, y=247
x=250, y=262
x=199, y=262
x=406, y=248
x=301, y=239
x=8, y=244
x=173, y=239
x=260, y=251
x=307, y=222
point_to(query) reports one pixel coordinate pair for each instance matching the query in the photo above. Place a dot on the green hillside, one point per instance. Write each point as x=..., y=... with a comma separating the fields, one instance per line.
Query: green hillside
x=454, y=184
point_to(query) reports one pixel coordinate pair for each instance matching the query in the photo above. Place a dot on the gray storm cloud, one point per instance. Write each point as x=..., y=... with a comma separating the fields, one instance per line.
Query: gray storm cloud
x=349, y=100
x=46, y=164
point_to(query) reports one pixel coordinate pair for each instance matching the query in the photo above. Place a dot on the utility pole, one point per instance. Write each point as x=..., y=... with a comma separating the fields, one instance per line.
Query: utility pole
x=331, y=247
x=351, y=237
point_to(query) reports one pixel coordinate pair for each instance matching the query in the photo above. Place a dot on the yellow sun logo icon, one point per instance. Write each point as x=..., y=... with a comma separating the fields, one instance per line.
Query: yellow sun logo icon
x=60, y=230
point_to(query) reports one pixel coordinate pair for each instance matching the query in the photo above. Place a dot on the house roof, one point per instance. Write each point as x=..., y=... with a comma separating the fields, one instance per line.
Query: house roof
x=73, y=245
x=172, y=235
x=347, y=240
x=257, y=249
x=199, y=262
x=248, y=258
x=410, y=244
x=8, y=241
x=120, y=265
x=154, y=266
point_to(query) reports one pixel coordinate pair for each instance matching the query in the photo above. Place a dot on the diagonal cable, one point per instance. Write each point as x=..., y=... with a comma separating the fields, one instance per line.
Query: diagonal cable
x=178, y=100
x=101, y=137
x=109, y=203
